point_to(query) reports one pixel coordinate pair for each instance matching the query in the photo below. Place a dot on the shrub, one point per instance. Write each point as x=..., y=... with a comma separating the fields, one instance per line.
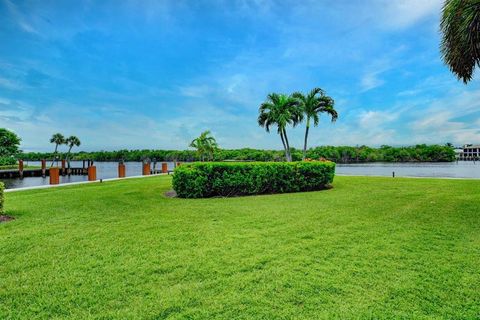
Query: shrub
x=2, y=199
x=201, y=180
x=7, y=161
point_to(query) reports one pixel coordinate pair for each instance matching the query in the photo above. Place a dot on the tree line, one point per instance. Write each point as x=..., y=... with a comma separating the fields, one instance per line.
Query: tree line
x=339, y=154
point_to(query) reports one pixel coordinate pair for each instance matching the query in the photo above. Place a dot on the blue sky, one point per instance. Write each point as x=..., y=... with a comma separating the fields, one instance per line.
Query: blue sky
x=154, y=74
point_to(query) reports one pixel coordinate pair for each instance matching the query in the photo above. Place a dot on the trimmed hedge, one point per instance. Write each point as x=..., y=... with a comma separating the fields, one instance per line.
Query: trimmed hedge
x=2, y=199
x=7, y=161
x=209, y=179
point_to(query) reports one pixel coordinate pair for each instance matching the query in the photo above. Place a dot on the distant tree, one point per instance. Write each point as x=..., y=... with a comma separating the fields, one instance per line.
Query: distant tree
x=58, y=139
x=205, y=145
x=280, y=110
x=460, y=47
x=9, y=143
x=71, y=142
x=313, y=104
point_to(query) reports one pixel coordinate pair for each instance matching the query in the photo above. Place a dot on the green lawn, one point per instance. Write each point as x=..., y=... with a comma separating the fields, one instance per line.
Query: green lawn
x=368, y=248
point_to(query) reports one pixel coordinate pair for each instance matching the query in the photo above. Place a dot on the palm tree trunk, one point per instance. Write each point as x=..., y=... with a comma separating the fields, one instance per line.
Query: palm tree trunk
x=284, y=145
x=68, y=158
x=54, y=153
x=306, y=138
x=289, y=156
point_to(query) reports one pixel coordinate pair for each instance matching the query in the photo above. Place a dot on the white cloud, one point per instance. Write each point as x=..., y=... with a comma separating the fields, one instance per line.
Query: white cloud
x=199, y=91
x=374, y=119
x=370, y=81
x=20, y=18
x=405, y=13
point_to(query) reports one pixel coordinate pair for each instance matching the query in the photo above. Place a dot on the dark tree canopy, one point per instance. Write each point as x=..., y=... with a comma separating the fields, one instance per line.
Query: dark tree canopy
x=460, y=45
x=9, y=143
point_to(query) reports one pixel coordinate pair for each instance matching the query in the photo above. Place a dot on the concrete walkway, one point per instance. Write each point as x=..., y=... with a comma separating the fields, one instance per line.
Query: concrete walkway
x=80, y=182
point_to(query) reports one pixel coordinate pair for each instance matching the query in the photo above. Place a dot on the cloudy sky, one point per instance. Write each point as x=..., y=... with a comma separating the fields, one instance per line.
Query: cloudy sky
x=154, y=74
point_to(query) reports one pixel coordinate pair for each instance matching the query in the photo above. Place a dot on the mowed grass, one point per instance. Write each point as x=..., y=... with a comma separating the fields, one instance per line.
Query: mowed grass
x=368, y=248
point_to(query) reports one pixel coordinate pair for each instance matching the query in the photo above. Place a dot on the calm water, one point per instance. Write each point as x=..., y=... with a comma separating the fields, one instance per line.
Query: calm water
x=462, y=169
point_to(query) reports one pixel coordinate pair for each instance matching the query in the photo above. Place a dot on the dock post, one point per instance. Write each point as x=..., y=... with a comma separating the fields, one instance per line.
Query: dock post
x=146, y=169
x=20, y=168
x=121, y=169
x=54, y=175
x=92, y=173
x=44, y=168
x=63, y=167
x=164, y=167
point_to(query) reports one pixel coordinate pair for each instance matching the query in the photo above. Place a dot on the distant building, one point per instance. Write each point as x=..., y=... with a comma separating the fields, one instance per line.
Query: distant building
x=468, y=152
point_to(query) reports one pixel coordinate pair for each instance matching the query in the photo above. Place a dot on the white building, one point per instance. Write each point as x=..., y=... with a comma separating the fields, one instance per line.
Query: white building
x=469, y=152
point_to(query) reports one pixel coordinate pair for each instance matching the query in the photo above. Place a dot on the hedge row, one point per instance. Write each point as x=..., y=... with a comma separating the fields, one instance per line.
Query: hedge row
x=209, y=179
x=2, y=199
x=7, y=161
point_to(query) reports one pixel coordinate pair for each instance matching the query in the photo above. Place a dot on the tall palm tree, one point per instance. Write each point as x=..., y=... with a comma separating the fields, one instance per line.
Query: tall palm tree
x=460, y=47
x=313, y=104
x=280, y=110
x=58, y=139
x=71, y=141
x=205, y=145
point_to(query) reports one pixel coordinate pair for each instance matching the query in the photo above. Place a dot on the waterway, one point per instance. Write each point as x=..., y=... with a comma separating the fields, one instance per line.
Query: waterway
x=461, y=169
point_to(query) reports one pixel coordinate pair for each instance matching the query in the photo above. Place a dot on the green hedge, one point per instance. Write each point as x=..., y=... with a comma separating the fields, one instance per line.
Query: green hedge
x=209, y=179
x=7, y=161
x=2, y=199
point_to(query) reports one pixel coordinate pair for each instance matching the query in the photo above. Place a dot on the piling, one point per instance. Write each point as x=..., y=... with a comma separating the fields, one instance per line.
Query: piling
x=44, y=168
x=393, y=174
x=92, y=173
x=164, y=167
x=54, y=175
x=146, y=168
x=121, y=170
x=20, y=168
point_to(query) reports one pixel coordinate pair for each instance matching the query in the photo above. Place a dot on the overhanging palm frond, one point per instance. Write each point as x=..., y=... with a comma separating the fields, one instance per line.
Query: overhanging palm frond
x=460, y=46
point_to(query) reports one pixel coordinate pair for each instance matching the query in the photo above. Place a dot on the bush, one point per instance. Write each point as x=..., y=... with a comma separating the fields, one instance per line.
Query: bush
x=7, y=161
x=209, y=179
x=2, y=199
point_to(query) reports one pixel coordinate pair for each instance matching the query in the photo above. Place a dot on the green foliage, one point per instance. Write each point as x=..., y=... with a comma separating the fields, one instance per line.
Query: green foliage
x=339, y=154
x=2, y=198
x=280, y=110
x=9, y=143
x=200, y=180
x=460, y=45
x=205, y=145
x=313, y=104
x=7, y=161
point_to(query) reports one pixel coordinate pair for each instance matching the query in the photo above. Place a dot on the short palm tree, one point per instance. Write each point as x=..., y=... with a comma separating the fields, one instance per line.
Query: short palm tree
x=460, y=47
x=205, y=145
x=313, y=104
x=71, y=141
x=280, y=110
x=58, y=139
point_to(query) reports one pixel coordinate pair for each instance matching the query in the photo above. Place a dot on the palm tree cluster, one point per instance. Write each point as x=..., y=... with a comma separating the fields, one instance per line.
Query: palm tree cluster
x=281, y=110
x=59, y=139
x=460, y=45
x=205, y=145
